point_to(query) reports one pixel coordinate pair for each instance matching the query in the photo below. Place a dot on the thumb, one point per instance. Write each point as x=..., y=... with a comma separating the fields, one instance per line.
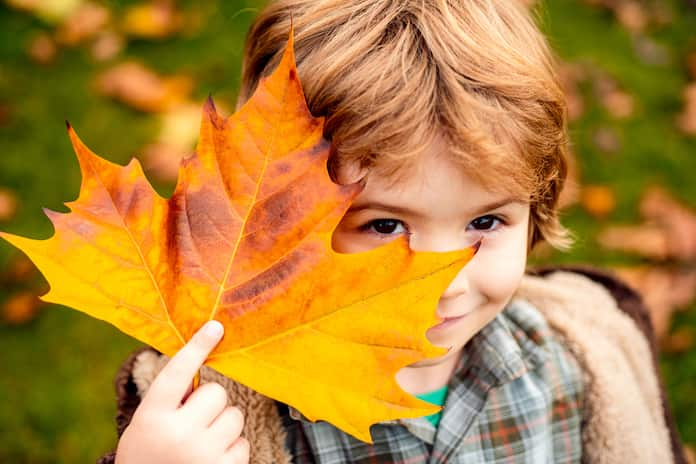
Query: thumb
x=174, y=380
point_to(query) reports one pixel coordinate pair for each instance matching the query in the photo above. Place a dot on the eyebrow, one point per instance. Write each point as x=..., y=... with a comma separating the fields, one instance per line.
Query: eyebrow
x=410, y=212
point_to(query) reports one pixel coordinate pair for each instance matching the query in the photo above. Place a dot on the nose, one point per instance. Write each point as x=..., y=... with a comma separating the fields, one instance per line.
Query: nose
x=444, y=242
x=459, y=286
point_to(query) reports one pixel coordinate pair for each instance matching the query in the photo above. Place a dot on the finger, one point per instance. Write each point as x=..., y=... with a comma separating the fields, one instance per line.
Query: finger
x=205, y=404
x=189, y=390
x=238, y=453
x=170, y=386
x=227, y=427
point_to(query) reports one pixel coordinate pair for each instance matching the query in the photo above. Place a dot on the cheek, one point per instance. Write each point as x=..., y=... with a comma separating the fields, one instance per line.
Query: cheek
x=501, y=267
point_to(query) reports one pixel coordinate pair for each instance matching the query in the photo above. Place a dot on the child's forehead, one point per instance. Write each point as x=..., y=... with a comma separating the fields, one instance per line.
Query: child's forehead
x=436, y=189
x=437, y=167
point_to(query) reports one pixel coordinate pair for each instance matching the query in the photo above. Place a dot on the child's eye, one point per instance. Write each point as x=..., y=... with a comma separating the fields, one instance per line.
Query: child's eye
x=385, y=227
x=488, y=222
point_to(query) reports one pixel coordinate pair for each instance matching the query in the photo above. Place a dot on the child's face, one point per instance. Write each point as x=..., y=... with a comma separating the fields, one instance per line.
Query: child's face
x=440, y=208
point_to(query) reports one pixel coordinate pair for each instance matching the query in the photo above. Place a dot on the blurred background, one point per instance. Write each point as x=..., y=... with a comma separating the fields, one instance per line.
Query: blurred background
x=131, y=77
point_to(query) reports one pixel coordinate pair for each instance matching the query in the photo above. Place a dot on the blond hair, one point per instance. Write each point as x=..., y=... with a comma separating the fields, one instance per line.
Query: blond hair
x=391, y=75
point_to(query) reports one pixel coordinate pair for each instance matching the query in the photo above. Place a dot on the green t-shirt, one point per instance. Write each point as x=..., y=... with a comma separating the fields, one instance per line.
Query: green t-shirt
x=436, y=397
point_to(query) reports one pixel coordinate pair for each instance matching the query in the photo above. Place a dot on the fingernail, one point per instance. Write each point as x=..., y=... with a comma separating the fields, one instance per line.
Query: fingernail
x=213, y=329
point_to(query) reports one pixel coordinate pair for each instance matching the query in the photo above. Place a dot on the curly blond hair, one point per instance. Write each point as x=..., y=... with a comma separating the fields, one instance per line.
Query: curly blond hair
x=391, y=75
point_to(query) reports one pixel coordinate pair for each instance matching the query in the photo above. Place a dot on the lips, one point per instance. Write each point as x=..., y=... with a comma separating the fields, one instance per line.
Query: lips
x=448, y=321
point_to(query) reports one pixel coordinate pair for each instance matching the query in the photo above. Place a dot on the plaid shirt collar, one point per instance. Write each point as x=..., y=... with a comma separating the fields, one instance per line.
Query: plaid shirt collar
x=501, y=352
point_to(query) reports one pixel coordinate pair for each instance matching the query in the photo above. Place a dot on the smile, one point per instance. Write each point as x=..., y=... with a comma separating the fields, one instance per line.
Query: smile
x=448, y=321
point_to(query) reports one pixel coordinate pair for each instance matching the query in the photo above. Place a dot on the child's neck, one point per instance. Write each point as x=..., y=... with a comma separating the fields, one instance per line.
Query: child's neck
x=428, y=375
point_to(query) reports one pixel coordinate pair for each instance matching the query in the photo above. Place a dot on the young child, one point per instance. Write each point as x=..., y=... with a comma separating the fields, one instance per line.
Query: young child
x=450, y=112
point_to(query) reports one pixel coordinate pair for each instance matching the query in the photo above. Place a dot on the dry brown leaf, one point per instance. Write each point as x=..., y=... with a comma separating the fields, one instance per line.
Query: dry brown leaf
x=42, y=49
x=20, y=269
x=8, y=204
x=161, y=160
x=598, y=200
x=570, y=75
x=84, y=23
x=107, y=46
x=152, y=20
x=680, y=341
x=49, y=10
x=678, y=222
x=21, y=308
x=651, y=52
x=662, y=14
x=690, y=454
x=616, y=101
x=607, y=140
x=4, y=114
x=141, y=88
x=686, y=121
x=664, y=291
x=668, y=233
x=637, y=15
x=571, y=189
x=632, y=15
x=646, y=240
x=619, y=104
x=176, y=140
x=691, y=64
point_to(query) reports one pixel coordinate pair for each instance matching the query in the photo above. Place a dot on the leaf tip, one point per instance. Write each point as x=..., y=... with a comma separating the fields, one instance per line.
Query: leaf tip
x=475, y=247
x=210, y=104
x=289, y=54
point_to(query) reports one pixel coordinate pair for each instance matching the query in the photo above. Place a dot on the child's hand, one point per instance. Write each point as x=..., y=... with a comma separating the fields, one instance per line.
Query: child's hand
x=201, y=430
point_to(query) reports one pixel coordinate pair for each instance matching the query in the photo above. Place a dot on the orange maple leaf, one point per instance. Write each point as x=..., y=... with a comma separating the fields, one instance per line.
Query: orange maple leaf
x=246, y=239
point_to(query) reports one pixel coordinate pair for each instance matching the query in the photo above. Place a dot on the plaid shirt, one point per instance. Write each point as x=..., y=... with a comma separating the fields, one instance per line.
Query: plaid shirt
x=515, y=397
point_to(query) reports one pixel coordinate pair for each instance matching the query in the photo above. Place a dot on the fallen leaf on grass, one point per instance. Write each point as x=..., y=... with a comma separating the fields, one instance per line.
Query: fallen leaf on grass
x=8, y=204
x=52, y=11
x=678, y=222
x=152, y=20
x=647, y=240
x=632, y=15
x=618, y=103
x=4, y=114
x=176, y=140
x=141, y=88
x=246, y=239
x=686, y=121
x=21, y=308
x=18, y=270
x=664, y=291
x=607, y=140
x=107, y=45
x=635, y=16
x=570, y=76
x=651, y=52
x=691, y=64
x=42, y=49
x=679, y=341
x=598, y=200
x=668, y=233
x=571, y=188
x=690, y=454
x=84, y=23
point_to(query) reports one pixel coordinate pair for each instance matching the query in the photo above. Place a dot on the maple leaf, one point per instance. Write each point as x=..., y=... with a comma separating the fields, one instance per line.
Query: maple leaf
x=246, y=239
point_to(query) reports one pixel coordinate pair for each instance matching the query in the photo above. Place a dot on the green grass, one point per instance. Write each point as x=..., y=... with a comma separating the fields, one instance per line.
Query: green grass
x=56, y=372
